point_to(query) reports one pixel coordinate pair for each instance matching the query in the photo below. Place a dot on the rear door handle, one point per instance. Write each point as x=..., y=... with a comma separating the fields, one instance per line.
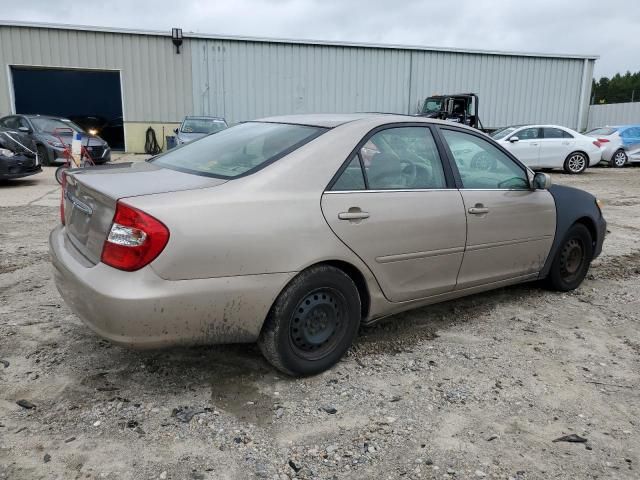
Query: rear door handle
x=353, y=215
x=479, y=209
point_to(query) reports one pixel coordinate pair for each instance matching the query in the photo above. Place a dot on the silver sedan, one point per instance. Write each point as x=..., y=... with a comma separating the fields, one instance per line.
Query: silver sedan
x=294, y=231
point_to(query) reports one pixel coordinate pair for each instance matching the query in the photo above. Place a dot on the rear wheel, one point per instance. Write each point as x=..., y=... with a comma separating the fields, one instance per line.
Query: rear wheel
x=312, y=322
x=42, y=155
x=572, y=260
x=576, y=163
x=619, y=159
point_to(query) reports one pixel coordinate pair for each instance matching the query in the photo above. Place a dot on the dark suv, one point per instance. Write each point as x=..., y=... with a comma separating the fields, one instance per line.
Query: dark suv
x=51, y=134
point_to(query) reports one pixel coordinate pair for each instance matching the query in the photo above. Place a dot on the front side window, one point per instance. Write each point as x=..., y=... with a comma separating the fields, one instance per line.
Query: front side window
x=238, y=150
x=502, y=133
x=528, y=134
x=482, y=165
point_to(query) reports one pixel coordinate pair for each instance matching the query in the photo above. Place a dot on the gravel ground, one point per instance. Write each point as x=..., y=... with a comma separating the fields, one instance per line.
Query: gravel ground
x=473, y=388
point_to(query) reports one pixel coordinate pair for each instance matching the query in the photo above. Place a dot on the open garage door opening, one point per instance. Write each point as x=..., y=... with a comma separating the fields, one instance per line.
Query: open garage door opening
x=90, y=98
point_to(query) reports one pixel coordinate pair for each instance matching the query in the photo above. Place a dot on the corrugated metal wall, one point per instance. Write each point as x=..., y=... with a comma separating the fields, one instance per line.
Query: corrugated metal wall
x=242, y=80
x=156, y=82
x=614, y=114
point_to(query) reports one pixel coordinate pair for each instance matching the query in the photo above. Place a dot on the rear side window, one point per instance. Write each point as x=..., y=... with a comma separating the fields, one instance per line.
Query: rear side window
x=238, y=150
x=556, y=133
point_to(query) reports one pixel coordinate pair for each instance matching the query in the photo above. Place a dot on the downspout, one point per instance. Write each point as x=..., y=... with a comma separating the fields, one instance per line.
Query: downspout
x=583, y=85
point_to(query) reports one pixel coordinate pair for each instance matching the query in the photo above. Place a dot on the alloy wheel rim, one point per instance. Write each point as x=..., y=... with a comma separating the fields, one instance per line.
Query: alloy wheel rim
x=317, y=323
x=619, y=159
x=576, y=163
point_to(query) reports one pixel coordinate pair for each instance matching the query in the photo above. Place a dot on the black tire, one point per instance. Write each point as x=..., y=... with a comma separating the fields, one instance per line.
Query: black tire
x=59, y=171
x=618, y=159
x=572, y=259
x=43, y=155
x=312, y=323
x=575, y=163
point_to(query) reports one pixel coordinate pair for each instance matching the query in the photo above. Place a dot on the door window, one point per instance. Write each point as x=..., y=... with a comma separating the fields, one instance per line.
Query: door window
x=352, y=178
x=402, y=158
x=528, y=134
x=555, y=133
x=11, y=122
x=482, y=165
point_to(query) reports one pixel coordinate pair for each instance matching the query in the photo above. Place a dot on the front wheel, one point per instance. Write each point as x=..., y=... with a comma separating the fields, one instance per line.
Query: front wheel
x=572, y=260
x=59, y=172
x=576, y=163
x=619, y=159
x=312, y=323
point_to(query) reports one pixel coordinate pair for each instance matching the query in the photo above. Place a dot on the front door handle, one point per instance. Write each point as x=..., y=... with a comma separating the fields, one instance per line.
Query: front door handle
x=479, y=209
x=354, y=213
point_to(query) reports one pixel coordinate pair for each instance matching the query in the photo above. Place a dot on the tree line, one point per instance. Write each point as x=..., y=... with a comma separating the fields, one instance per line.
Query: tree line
x=617, y=89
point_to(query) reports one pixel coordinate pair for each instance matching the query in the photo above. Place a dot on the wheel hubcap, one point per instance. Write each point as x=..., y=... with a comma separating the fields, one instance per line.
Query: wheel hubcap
x=572, y=259
x=577, y=163
x=619, y=159
x=317, y=321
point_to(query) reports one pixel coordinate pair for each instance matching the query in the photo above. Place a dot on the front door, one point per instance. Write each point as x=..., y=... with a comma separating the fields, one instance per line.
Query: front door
x=527, y=147
x=394, y=208
x=510, y=228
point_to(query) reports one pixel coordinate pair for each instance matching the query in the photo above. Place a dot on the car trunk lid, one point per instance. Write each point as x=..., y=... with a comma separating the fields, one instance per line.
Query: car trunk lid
x=91, y=195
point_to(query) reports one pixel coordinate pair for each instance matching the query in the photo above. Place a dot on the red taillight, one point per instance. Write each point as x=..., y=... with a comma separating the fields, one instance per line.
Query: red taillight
x=597, y=143
x=64, y=186
x=135, y=239
x=603, y=140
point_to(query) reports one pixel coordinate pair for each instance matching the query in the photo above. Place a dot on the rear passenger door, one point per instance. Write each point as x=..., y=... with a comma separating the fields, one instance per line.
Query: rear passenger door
x=396, y=206
x=555, y=146
x=510, y=227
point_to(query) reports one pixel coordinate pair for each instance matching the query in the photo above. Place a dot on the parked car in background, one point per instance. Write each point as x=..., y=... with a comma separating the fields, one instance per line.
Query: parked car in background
x=550, y=146
x=18, y=157
x=51, y=134
x=110, y=130
x=193, y=128
x=276, y=231
x=620, y=144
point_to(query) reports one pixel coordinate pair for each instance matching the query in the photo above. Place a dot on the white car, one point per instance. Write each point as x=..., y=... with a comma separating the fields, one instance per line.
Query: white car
x=550, y=146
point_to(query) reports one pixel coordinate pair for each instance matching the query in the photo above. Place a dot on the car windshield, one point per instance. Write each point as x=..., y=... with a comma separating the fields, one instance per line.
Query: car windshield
x=432, y=105
x=202, y=125
x=50, y=125
x=503, y=132
x=602, y=131
x=238, y=150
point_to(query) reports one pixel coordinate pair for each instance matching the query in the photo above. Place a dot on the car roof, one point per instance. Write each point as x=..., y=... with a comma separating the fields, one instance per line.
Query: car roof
x=203, y=117
x=41, y=116
x=331, y=120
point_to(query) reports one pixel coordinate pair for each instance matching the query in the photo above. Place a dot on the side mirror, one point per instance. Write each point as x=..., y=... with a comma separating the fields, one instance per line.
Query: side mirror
x=514, y=139
x=24, y=129
x=541, y=181
x=175, y=130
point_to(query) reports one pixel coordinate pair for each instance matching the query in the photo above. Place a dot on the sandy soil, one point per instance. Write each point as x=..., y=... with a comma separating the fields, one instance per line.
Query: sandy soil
x=474, y=388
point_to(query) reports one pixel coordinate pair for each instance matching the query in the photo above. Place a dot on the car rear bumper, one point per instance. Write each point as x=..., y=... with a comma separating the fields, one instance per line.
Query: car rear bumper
x=142, y=310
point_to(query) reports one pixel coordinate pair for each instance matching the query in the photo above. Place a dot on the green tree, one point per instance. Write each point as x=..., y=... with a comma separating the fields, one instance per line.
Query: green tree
x=617, y=89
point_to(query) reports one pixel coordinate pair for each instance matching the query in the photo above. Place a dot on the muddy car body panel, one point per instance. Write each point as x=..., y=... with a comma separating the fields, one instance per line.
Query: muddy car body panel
x=407, y=232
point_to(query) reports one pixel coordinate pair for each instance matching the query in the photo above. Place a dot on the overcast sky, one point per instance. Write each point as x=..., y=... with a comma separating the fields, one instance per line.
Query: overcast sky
x=605, y=28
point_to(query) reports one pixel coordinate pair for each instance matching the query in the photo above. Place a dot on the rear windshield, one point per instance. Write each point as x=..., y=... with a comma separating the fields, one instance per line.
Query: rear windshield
x=602, y=131
x=238, y=150
x=202, y=125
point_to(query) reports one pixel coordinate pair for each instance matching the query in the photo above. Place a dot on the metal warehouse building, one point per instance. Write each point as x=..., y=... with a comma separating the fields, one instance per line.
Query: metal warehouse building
x=136, y=79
